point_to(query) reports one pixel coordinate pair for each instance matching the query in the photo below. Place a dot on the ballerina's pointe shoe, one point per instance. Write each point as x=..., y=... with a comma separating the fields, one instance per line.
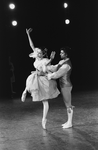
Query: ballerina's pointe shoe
x=44, y=123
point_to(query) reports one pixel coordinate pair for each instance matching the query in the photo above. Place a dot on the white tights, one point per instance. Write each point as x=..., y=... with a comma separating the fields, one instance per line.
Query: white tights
x=45, y=109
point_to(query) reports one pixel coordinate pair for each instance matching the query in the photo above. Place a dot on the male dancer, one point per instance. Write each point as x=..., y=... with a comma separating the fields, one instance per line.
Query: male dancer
x=62, y=71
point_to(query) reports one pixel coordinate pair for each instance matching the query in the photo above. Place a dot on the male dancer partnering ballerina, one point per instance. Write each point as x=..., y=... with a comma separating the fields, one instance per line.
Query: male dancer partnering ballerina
x=62, y=71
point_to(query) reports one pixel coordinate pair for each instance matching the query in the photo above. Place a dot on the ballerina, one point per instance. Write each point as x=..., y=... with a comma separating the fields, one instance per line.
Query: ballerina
x=37, y=83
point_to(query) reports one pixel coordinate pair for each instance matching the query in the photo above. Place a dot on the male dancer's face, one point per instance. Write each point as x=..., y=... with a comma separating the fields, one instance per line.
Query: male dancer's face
x=62, y=54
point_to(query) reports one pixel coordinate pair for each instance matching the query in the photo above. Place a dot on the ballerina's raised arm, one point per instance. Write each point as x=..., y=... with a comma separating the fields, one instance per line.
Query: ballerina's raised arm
x=30, y=41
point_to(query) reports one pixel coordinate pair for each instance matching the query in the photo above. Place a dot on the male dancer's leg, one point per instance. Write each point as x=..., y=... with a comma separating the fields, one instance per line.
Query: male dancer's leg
x=66, y=93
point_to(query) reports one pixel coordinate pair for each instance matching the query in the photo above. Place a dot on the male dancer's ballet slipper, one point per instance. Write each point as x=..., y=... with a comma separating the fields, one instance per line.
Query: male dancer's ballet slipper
x=68, y=124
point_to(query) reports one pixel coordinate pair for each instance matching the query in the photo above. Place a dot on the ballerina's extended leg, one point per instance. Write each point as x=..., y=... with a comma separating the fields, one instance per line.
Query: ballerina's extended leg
x=23, y=97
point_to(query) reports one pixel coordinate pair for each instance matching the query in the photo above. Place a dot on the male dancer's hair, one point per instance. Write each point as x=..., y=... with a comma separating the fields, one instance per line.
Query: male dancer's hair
x=65, y=49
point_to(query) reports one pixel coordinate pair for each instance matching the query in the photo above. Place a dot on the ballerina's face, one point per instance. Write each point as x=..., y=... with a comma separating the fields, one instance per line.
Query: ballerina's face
x=37, y=53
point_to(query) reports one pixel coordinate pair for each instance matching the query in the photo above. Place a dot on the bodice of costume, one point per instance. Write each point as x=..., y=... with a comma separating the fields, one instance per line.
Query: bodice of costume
x=40, y=65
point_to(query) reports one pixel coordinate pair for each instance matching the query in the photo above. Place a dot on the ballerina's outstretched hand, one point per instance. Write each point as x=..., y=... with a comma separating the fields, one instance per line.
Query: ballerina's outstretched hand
x=28, y=30
x=30, y=40
x=52, y=55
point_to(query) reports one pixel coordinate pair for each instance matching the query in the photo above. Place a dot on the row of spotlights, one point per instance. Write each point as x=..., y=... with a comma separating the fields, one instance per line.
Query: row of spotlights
x=67, y=21
x=12, y=7
x=14, y=23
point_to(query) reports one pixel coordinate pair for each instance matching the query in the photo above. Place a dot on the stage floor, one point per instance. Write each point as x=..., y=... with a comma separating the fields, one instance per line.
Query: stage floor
x=20, y=124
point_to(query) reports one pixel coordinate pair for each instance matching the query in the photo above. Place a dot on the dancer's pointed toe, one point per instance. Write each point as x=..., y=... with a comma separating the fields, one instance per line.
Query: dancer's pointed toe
x=44, y=123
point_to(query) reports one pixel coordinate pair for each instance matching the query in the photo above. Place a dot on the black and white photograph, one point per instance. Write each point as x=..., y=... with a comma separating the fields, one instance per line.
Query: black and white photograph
x=48, y=75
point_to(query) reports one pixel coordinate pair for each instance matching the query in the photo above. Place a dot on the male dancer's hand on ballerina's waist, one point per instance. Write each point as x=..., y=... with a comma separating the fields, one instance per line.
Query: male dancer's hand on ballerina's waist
x=49, y=75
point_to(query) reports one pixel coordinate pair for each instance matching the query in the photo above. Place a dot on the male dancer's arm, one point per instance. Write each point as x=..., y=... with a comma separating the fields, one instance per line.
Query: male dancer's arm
x=60, y=72
x=54, y=68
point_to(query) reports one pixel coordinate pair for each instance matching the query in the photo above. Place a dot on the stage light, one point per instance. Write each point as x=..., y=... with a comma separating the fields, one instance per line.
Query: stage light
x=65, y=5
x=14, y=23
x=67, y=21
x=11, y=6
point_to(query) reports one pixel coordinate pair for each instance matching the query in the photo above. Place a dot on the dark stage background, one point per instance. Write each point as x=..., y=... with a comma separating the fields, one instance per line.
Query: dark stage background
x=47, y=17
